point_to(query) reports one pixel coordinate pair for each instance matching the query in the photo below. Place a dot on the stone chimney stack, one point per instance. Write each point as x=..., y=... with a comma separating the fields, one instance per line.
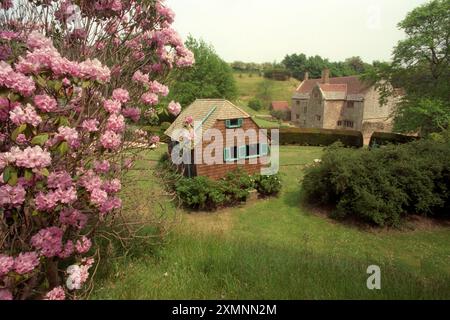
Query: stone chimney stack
x=326, y=76
x=306, y=78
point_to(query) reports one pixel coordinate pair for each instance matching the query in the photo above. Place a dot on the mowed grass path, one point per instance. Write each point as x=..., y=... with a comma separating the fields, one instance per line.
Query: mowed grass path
x=277, y=249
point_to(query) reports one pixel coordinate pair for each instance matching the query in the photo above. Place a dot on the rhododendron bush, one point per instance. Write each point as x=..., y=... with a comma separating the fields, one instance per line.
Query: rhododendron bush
x=73, y=76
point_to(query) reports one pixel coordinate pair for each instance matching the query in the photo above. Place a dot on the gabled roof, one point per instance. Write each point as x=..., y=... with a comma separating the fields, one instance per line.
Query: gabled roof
x=351, y=86
x=207, y=111
x=280, y=106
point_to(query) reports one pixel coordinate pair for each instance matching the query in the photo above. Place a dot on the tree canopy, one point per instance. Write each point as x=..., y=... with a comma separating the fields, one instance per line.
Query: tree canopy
x=421, y=67
x=210, y=77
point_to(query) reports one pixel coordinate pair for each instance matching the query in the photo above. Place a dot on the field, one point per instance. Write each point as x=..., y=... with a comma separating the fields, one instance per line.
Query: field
x=278, y=249
x=255, y=86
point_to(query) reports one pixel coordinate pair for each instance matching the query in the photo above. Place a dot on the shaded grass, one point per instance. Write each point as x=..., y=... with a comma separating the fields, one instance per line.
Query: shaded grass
x=276, y=249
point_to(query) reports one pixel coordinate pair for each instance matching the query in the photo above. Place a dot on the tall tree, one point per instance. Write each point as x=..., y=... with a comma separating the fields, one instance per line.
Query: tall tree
x=210, y=77
x=421, y=66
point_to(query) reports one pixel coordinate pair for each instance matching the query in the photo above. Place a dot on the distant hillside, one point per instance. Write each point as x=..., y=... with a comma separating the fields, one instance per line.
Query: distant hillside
x=255, y=86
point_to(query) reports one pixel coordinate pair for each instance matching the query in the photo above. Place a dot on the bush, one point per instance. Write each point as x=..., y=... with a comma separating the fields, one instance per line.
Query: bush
x=277, y=74
x=255, y=104
x=281, y=115
x=384, y=138
x=268, y=185
x=320, y=137
x=383, y=185
x=236, y=186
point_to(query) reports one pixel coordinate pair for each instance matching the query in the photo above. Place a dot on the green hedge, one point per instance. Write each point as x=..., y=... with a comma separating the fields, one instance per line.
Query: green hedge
x=383, y=185
x=320, y=137
x=384, y=138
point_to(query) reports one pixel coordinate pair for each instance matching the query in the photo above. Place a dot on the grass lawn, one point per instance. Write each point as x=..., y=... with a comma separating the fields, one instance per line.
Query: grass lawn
x=278, y=249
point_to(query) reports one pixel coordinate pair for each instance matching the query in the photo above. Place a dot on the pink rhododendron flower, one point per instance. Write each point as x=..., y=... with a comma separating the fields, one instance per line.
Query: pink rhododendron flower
x=26, y=262
x=67, y=251
x=5, y=294
x=45, y=103
x=83, y=245
x=70, y=135
x=12, y=196
x=48, y=241
x=16, y=81
x=110, y=140
x=33, y=158
x=28, y=115
x=94, y=70
x=78, y=275
x=141, y=77
x=150, y=98
x=116, y=123
x=174, y=108
x=110, y=205
x=6, y=264
x=90, y=181
x=98, y=197
x=46, y=202
x=21, y=139
x=37, y=40
x=59, y=180
x=112, y=186
x=121, y=95
x=189, y=120
x=90, y=125
x=155, y=139
x=74, y=218
x=112, y=106
x=132, y=113
x=56, y=294
x=102, y=166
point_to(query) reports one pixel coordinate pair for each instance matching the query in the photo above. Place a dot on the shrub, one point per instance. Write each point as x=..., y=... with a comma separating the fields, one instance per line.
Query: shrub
x=255, y=104
x=281, y=115
x=268, y=185
x=277, y=74
x=384, y=138
x=320, y=137
x=200, y=193
x=383, y=185
x=236, y=186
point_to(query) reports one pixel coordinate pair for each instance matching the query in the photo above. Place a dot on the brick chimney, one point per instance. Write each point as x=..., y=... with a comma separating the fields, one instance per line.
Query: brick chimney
x=306, y=78
x=326, y=76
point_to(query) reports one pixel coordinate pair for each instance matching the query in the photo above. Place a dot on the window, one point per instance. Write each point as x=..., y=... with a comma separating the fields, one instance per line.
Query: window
x=339, y=123
x=350, y=104
x=298, y=102
x=349, y=124
x=305, y=109
x=318, y=118
x=234, y=123
x=245, y=152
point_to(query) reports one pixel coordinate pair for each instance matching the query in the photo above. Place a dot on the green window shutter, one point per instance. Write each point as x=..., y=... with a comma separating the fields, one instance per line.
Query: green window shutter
x=226, y=154
x=240, y=122
x=264, y=149
x=242, y=152
x=228, y=123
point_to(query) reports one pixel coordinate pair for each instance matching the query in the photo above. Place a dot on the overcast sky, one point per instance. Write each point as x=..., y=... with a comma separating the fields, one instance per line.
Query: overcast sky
x=267, y=30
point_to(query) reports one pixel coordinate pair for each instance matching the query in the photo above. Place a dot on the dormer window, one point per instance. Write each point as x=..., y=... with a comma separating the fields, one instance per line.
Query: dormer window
x=234, y=123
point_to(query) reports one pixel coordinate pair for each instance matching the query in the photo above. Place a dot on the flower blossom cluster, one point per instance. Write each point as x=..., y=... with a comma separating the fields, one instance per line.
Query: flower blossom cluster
x=78, y=275
x=28, y=115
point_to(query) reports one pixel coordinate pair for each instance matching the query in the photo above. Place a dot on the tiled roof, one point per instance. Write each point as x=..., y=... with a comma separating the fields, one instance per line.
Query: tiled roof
x=280, y=106
x=352, y=85
x=207, y=111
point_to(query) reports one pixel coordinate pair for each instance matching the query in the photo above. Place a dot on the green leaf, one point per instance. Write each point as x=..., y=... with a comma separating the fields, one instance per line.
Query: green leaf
x=40, y=139
x=63, y=121
x=13, y=179
x=63, y=148
x=58, y=85
x=35, y=213
x=41, y=81
x=7, y=173
x=86, y=84
x=18, y=131
x=28, y=175
x=45, y=172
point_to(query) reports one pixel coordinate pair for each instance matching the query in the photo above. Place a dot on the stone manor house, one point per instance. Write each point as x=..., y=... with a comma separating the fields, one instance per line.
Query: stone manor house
x=344, y=103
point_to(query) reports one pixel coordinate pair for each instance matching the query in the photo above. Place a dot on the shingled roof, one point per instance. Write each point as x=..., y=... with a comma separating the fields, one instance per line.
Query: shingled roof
x=340, y=86
x=280, y=106
x=208, y=111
